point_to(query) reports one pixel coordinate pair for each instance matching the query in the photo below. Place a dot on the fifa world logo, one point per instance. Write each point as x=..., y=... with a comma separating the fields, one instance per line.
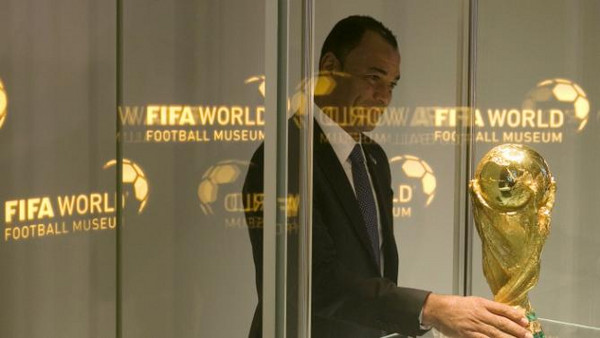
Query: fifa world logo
x=3, y=103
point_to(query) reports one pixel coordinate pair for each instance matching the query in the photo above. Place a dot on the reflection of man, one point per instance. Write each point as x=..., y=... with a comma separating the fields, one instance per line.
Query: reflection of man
x=355, y=263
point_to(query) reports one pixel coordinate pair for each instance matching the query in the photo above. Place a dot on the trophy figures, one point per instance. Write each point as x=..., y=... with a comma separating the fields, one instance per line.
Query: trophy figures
x=513, y=193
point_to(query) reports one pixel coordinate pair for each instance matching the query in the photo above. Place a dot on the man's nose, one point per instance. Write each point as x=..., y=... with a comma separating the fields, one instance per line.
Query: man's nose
x=383, y=94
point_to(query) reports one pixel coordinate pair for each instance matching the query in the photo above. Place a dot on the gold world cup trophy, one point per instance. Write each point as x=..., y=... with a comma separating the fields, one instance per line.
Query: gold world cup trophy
x=513, y=193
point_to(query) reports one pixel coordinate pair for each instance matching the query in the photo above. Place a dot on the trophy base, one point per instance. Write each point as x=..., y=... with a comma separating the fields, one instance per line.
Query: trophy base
x=534, y=325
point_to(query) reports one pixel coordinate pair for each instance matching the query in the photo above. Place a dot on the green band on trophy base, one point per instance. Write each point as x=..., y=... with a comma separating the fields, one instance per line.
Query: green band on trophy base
x=534, y=325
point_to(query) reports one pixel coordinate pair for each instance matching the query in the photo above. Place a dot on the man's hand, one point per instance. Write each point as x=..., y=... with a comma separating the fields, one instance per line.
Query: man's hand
x=474, y=317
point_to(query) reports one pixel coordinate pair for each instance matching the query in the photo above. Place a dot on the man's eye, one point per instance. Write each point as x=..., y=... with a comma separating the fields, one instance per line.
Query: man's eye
x=373, y=77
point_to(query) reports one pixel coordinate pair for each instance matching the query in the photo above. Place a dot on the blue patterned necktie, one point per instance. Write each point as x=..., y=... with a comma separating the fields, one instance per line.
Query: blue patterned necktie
x=364, y=195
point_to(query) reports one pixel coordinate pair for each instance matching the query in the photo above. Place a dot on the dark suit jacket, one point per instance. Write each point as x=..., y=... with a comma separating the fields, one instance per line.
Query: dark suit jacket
x=350, y=296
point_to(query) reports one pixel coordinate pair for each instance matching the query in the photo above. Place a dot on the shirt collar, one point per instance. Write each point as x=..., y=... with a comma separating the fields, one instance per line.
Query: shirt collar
x=341, y=142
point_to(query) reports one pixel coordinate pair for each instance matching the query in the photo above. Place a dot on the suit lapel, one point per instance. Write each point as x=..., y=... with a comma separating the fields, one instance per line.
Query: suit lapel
x=332, y=170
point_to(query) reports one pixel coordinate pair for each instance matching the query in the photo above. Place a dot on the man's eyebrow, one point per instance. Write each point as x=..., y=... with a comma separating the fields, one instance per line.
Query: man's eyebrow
x=383, y=72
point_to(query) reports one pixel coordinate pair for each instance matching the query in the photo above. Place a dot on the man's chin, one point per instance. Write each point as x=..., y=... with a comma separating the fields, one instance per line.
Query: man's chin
x=366, y=128
x=357, y=129
x=366, y=118
x=369, y=128
x=355, y=119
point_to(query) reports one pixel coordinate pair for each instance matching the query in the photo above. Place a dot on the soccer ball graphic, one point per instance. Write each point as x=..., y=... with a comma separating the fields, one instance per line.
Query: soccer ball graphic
x=224, y=172
x=3, y=103
x=261, y=83
x=322, y=85
x=132, y=173
x=549, y=93
x=416, y=170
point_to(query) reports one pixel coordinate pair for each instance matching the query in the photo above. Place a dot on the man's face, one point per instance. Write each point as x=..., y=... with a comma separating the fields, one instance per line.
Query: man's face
x=370, y=72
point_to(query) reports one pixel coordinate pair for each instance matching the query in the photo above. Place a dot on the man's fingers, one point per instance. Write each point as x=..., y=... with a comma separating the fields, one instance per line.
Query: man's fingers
x=508, y=327
x=516, y=315
x=489, y=331
x=479, y=335
x=475, y=317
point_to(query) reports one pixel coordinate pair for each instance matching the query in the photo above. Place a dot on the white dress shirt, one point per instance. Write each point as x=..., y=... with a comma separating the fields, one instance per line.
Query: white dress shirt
x=342, y=144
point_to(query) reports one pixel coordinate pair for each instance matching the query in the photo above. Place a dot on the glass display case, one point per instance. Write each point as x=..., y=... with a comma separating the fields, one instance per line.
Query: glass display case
x=161, y=168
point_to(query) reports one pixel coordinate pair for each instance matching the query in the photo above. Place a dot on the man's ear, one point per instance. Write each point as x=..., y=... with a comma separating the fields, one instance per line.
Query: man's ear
x=330, y=63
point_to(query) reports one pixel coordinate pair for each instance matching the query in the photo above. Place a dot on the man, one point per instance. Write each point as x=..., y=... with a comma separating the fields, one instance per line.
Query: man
x=355, y=263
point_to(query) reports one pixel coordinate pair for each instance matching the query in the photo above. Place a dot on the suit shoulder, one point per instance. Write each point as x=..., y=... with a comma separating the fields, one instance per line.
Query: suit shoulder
x=254, y=176
x=258, y=155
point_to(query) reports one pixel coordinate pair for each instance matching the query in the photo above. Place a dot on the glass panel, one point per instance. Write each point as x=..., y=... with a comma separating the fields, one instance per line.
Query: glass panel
x=286, y=168
x=57, y=134
x=537, y=84
x=192, y=114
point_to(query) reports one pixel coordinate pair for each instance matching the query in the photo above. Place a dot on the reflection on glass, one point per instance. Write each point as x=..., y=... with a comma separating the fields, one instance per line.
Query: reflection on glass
x=3, y=103
x=132, y=173
x=556, y=94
